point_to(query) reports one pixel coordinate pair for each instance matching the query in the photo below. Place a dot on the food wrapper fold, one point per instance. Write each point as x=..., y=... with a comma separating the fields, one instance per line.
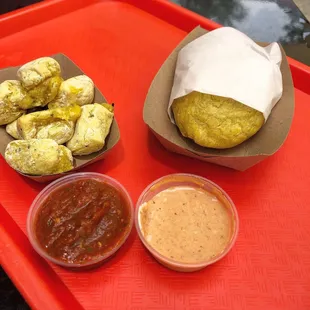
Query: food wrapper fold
x=227, y=63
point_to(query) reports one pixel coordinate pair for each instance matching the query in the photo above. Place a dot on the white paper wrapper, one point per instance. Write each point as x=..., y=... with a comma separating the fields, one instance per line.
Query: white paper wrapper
x=225, y=62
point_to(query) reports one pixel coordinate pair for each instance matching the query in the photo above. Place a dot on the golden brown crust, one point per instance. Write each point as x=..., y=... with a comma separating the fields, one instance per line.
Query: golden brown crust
x=215, y=122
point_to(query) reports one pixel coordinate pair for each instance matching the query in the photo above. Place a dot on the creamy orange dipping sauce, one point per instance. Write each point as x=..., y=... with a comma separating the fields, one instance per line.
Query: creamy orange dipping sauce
x=186, y=224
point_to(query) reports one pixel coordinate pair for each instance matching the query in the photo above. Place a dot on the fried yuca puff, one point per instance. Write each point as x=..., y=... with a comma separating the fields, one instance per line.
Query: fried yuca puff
x=91, y=129
x=12, y=98
x=57, y=124
x=76, y=90
x=38, y=156
x=41, y=78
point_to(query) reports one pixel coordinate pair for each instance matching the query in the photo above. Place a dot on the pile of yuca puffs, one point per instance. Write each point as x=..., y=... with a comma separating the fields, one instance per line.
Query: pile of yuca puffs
x=51, y=119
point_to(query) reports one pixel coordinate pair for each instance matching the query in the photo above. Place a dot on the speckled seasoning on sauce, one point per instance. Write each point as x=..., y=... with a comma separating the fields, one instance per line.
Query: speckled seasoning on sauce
x=81, y=221
x=186, y=224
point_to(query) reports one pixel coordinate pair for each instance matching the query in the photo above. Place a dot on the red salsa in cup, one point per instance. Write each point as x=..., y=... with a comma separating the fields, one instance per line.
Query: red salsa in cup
x=82, y=221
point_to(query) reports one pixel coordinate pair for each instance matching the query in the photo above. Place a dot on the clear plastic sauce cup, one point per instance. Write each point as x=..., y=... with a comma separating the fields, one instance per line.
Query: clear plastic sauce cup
x=67, y=180
x=197, y=182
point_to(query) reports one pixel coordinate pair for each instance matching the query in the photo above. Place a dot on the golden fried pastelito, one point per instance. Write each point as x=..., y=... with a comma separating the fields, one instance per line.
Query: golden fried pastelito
x=76, y=90
x=38, y=157
x=91, y=129
x=56, y=124
x=45, y=92
x=41, y=78
x=37, y=71
x=12, y=98
x=215, y=122
x=12, y=130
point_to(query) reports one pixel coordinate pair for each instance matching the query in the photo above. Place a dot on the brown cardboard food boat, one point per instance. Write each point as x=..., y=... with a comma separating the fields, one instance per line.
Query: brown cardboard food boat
x=69, y=69
x=265, y=143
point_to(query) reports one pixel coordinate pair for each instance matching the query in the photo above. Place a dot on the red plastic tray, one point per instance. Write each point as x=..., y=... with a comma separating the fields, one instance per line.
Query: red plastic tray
x=121, y=45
